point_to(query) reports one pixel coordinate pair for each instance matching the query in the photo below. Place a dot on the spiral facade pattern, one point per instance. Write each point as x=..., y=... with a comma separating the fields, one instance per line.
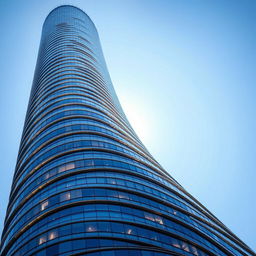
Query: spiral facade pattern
x=84, y=183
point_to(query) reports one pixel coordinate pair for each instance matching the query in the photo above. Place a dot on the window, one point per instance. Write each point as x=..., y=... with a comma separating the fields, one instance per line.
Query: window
x=149, y=216
x=52, y=250
x=104, y=226
x=66, y=167
x=62, y=169
x=194, y=250
x=111, y=181
x=155, y=218
x=77, y=228
x=159, y=220
x=184, y=246
x=129, y=231
x=42, y=239
x=65, y=230
x=65, y=247
x=70, y=166
x=65, y=196
x=78, y=244
x=91, y=228
x=76, y=193
x=175, y=243
x=47, y=176
x=122, y=196
x=44, y=205
x=52, y=235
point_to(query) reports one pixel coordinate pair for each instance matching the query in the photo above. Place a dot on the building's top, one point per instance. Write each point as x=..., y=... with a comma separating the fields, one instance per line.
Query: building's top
x=67, y=6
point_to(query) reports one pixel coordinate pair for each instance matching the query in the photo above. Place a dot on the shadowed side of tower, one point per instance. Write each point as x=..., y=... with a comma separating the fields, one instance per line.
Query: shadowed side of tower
x=84, y=183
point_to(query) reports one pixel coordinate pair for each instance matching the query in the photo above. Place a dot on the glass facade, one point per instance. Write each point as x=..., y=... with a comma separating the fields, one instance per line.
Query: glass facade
x=84, y=183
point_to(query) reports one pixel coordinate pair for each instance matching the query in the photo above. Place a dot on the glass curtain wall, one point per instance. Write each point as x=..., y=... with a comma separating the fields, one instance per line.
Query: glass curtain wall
x=84, y=183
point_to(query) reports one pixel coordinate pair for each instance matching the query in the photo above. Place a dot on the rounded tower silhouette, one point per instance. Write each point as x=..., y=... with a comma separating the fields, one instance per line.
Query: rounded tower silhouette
x=84, y=183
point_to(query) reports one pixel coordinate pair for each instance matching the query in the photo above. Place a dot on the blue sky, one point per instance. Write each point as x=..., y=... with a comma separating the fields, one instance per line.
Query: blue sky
x=184, y=72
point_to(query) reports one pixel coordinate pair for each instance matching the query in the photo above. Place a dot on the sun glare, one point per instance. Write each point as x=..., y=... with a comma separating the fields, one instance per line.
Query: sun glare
x=138, y=119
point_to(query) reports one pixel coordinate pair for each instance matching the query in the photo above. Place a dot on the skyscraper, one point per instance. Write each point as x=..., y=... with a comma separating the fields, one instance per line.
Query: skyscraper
x=84, y=183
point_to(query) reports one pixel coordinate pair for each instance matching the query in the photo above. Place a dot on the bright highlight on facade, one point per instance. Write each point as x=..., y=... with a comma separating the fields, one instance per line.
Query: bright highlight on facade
x=84, y=183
